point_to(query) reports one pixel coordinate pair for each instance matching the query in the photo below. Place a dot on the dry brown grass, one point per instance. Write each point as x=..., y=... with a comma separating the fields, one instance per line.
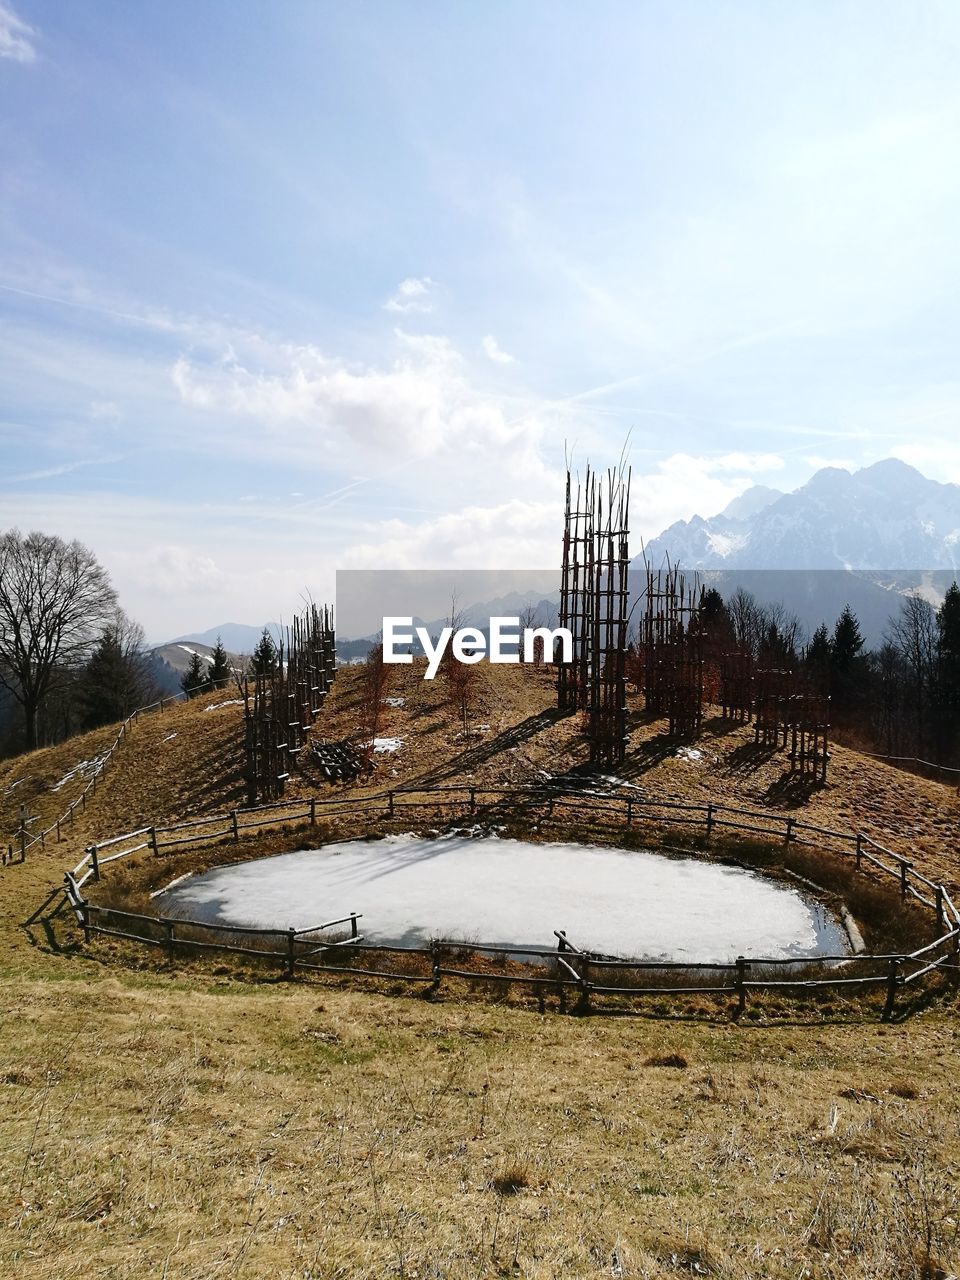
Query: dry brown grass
x=190, y=1123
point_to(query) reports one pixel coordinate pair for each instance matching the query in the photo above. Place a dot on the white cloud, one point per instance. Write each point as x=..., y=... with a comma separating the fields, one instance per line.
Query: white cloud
x=173, y=569
x=15, y=36
x=415, y=407
x=514, y=534
x=751, y=462
x=684, y=485
x=818, y=462
x=496, y=353
x=413, y=294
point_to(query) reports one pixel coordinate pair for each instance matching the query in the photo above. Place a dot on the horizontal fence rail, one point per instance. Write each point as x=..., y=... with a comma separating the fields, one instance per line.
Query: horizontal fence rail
x=914, y=764
x=560, y=969
x=27, y=839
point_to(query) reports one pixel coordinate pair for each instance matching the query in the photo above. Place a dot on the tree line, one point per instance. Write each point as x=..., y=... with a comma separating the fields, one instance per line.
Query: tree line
x=71, y=659
x=902, y=698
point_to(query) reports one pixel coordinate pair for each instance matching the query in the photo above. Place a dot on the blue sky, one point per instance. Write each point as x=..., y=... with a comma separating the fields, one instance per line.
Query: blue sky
x=297, y=286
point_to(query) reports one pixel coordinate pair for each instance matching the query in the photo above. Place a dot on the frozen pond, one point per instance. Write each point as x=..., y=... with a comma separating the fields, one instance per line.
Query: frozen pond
x=511, y=893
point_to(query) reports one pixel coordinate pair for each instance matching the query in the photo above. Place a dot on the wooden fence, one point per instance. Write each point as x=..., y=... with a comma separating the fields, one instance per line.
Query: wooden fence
x=914, y=764
x=590, y=974
x=26, y=839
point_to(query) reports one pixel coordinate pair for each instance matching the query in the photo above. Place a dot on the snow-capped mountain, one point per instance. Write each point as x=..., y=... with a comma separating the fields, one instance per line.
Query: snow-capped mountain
x=886, y=516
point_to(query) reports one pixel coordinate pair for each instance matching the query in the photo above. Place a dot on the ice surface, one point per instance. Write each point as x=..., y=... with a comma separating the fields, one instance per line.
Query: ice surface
x=509, y=892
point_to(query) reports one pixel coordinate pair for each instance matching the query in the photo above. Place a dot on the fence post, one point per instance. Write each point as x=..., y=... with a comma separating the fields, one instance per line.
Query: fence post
x=291, y=951
x=859, y=849
x=788, y=835
x=85, y=921
x=629, y=812
x=940, y=920
x=741, y=986
x=473, y=800
x=58, y=831
x=236, y=826
x=353, y=924
x=583, y=1004
x=904, y=868
x=313, y=811
x=561, y=947
x=435, y=965
x=893, y=972
x=153, y=839
x=389, y=804
x=94, y=862
x=710, y=813
x=168, y=929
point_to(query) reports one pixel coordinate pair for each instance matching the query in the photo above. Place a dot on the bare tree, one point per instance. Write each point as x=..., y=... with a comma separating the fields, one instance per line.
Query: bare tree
x=914, y=633
x=529, y=620
x=374, y=682
x=54, y=599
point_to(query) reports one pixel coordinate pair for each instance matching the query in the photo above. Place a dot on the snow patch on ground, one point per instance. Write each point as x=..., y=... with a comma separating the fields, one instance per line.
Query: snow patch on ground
x=204, y=657
x=395, y=702
x=512, y=893
x=170, y=737
x=383, y=746
x=85, y=769
x=694, y=755
x=231, y=702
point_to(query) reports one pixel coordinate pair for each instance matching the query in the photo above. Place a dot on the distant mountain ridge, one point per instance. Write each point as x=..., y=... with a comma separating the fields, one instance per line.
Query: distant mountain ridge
x=885, y=516
x=239, y=637
x=861, y=538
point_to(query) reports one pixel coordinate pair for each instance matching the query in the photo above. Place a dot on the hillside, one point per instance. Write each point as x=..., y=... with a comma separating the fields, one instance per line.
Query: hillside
x=183, y=1122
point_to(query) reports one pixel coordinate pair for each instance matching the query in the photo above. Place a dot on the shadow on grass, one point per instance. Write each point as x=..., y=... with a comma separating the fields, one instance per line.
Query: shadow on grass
x=792, y=790
x=750, y=757
x=484, y=751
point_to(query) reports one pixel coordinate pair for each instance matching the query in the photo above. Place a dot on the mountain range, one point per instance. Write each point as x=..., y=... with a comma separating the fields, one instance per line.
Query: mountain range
x=862, y=538
x=885, y=516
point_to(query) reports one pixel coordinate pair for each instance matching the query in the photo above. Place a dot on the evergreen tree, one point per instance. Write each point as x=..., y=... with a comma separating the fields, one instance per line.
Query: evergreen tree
x=847, y=663
x=220, y=668
x=116, y=678
x=194, y=678
x=816, y=660
x=109, y=688
x=847, y=644
x=948, y=675
x=264, y=660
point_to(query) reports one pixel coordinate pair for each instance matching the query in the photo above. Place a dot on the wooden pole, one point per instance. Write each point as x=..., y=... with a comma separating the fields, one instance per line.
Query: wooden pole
x=893, y=972
x=741, y=986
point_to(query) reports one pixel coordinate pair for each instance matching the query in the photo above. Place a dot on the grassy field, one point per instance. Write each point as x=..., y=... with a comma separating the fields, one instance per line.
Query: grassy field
x=197, y=1122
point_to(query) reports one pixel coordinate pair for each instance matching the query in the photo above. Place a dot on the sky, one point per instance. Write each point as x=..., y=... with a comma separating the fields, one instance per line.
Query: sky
x=293, y=287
